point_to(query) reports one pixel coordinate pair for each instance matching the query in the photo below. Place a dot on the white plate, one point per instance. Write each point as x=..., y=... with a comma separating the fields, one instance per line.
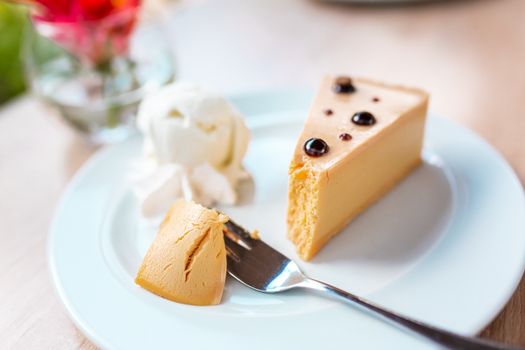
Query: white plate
x=446, y=246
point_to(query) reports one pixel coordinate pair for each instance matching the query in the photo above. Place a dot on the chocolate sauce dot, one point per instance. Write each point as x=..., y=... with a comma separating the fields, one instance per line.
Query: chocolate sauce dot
x=375, y=99
x=345, y=137
x=343, y=85
x=328, y=111
x=315, y=147
x=363, y=118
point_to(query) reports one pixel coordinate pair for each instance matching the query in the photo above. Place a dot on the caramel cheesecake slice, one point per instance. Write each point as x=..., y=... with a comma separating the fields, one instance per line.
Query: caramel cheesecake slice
x=186, y=262
x=360, y=139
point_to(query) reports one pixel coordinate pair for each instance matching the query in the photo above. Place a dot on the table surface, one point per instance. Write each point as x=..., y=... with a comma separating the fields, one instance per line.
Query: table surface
x=470, y=55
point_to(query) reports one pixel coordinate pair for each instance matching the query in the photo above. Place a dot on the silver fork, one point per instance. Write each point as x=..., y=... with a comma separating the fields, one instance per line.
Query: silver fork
x=258, y=266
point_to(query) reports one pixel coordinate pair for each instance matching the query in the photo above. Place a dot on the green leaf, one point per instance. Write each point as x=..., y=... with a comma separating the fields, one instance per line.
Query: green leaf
x=12, y=21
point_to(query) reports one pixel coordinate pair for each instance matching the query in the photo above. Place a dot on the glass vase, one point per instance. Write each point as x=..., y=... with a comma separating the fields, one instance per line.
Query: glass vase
x=99, y=99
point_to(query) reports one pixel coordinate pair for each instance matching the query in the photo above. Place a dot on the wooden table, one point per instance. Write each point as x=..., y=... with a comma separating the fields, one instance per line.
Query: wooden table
x=469, y=54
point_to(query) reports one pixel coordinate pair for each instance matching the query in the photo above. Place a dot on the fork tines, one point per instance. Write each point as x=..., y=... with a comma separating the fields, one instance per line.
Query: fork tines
x=239, y=231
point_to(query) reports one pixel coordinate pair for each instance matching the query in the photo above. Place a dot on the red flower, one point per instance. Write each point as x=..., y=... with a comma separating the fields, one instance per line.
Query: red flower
x=93, y=30
x=80, y=10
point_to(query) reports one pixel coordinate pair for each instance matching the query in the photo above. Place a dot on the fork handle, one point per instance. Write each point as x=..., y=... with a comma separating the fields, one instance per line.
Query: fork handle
x=445, y=338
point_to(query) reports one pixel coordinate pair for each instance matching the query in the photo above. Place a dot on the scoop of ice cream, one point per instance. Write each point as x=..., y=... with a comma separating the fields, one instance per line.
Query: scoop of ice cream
x=194, y=141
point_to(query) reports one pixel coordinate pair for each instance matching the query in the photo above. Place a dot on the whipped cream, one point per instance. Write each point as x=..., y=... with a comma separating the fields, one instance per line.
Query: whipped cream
x=194, y=144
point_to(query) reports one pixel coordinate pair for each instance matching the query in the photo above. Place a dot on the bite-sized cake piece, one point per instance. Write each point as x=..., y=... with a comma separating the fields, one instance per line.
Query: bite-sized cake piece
x=360, y=139
x=186, y=262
